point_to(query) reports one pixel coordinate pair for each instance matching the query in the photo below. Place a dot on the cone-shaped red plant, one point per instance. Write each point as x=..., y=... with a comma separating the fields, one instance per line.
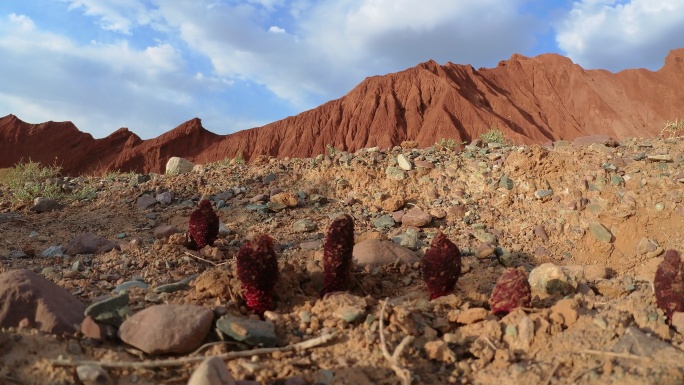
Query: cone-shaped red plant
x=669, y=284
x=257, y=269
x=441, y=266
x=203, y=225
x=512, y=290
x=337, y=254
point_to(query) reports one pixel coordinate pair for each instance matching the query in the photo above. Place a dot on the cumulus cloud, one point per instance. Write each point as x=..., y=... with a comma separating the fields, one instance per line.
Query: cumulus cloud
x=115, y=15
x=616, y=35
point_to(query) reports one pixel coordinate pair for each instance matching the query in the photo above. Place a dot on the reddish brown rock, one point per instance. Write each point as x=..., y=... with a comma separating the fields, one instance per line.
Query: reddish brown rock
x=423, y=104
x=31, y=300
x=167, y=328
x=89, y=244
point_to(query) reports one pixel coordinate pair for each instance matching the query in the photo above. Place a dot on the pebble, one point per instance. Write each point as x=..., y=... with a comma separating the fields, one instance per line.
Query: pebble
x=539, y=194
x=384, y=222
x=395, y=173
x=212, y=371
x=145, y=202
x=250, y=331
x=110, y=310
x=89, y=243
x=659, y=158
x=380, y=252
x=600, y=232
x=165, y=198
x=304, y=226
x=128, y=285
x=548, y=278
x=404, y=163
x=53, y=251
x=506, y=182
x=183, y=284
x=540, y=232
x=93, y=375
x=165, y=231
x=416, y=217
x=311, y=245
x=161, y=329
x=485, y=250
x=286, y=198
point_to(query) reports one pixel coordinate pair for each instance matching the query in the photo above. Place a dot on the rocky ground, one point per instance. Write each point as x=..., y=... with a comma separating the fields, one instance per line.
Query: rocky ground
x=590, y=220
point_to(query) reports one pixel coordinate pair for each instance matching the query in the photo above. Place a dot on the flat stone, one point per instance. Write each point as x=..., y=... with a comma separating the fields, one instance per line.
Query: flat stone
x=539, y=194
x=177, y=165
x=485, y=250
x=165, y=231
x=250, y=331
x=165, y=198
x=128, y=285
x=659, y=158
x=43, y=205
x=304, y=226
x=380, y=252
x=145, y=202
x=89, y=244
x=540, y=232
x=416, y=217
x=93, y=375
x=404, y=163
x=53, y=251
x=395, y=173
x=287, y=198
x=600, y=232
x=26, y=297
x=384, y=222
x=212, y=371
x=183, y=284
x=111, y=311
x=162, y=329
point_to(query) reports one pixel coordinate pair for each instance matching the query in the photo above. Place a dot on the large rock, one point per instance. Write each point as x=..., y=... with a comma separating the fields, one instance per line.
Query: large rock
x=167, y=328
x=177, y=165
x=380, y=252
x=90, y=243
x=25, y=295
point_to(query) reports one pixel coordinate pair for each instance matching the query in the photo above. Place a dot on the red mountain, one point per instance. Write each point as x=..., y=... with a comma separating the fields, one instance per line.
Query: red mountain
x=532, y=100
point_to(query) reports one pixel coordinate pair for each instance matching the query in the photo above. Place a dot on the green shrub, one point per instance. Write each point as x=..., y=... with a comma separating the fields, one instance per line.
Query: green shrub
x=494, y=135
x=27, y=181
x=446, y=144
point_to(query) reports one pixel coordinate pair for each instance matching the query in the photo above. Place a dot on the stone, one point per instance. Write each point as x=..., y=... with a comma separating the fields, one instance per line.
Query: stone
x=540, y=194
x=659, y=158
x=93, y=375
x=53, y=251
x=439, y=350
x=89, y=243
x=97, y=331
x=468, y=316
x=28, y=297
x=506, y=182
x=177, y=165
x=384, y=222
x=286, y=198
x=250, y=331
x=111, y=310
x=380, y=252
x=548, y=278
x=393, y=203
x=485, y=250
x=165, y=198
x=212, y=371
x=600, y=232
x=161, y=329
x=540, y=232
x=404, y=163
x=128, y=285
x=395, y=173
x=165, y=231
x=43, y=205
x=304, y=226
x=416, y=217
x=145, y=202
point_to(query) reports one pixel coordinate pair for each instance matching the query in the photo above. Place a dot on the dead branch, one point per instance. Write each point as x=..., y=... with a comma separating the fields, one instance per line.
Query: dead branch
x=395, y=358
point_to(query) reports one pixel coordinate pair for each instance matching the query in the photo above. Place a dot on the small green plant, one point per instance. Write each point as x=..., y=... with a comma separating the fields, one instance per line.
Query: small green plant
x=447, y=144
x=84, y=193
x=239, y=159
x=27, y=181
x=674, y=129
x=332, y=151
x=494, y=135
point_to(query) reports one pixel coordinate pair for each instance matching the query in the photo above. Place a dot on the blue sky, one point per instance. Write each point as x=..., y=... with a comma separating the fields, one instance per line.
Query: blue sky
x=151, y=65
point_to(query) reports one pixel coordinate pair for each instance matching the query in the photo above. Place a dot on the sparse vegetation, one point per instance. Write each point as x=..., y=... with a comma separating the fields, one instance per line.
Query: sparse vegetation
x=332, y=151
x=239, y=159
x=29, y=180
x=673, y=129
x=447, y=145
x=494, y=135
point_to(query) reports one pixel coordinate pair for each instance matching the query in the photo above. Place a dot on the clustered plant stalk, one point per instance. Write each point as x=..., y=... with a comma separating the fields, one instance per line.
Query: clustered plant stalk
x=203, y=226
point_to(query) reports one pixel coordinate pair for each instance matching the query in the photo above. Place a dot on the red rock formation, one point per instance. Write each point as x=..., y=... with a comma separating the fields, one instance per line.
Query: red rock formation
x=531, y=100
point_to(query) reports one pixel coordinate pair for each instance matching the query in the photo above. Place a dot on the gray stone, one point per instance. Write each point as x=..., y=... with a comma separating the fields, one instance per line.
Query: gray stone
x=404, y=163
x=250, y=331
x=379, y=252
x=27, y=296
x=539, y=194
x=126, y=286
x=161, y=329
x=395, y=173
x=110, y=311
x=384, y=222
x=304, y=226
x=311, y=245
x=183, y=284
x=276, y=206
x=600, y=232
x=506, y=182
x=53, y=251
x=93, y=375
x=409, y=239
x=89, y=244
x=139, y=178
x=212, y=371
x=177, y=165
x=145, y=201
x=42, y=205
x=165, y=197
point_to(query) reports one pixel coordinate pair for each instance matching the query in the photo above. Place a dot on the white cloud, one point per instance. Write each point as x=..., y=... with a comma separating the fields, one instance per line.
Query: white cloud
x=115, y=15
x=276, y=29
x=22, y=21
x=621, y=34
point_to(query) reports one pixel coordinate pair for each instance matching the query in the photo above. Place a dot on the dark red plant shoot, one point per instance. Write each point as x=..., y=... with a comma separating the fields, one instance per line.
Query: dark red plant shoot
x=337, y=254
x=512, y=290
x=203, y=226
x=441, y=266
x=257, y=270
x=669, y=284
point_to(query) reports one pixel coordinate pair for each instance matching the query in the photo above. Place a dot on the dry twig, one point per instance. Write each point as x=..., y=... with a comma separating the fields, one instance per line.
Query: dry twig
x=395, y=358
x=304, y=345
x=616, y=355
x=205, y=260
